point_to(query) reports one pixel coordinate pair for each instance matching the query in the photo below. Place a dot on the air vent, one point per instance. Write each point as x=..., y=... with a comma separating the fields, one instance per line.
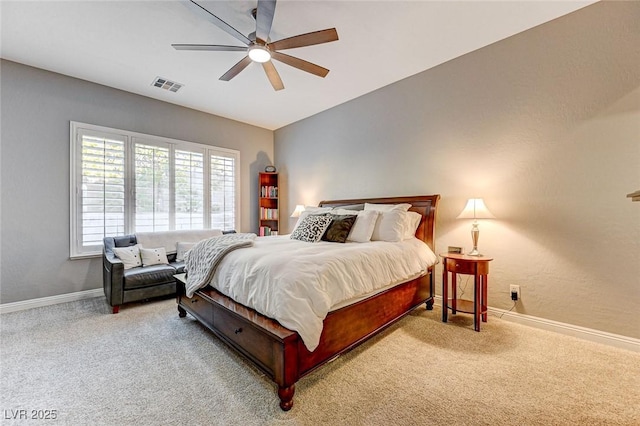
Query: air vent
x=165, y=84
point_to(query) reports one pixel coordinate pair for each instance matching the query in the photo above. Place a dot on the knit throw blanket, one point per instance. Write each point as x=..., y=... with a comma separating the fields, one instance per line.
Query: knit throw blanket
x=203, y=258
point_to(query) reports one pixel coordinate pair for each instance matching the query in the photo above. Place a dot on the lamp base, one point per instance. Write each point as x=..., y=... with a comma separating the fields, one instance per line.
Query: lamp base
x=475, y=233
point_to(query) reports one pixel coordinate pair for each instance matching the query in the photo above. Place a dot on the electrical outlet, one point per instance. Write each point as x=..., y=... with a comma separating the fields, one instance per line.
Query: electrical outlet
x=515, y=292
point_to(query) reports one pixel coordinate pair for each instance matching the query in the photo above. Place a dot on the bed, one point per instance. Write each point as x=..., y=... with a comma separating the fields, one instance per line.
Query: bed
x=280, y=352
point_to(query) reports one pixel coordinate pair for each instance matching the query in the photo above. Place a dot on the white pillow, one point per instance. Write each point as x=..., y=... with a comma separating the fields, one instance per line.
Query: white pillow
x=363, y=227
x=387, y=207
x=412, y=223
x=154, y=256
x=130, y=256
x=182, y=249
x=390, y=226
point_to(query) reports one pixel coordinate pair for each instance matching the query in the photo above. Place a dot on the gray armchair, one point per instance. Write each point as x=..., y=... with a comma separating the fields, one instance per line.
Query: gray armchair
x=135, y=284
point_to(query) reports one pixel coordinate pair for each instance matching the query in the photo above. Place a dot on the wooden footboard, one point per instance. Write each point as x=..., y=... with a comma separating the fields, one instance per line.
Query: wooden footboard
x=279, y=352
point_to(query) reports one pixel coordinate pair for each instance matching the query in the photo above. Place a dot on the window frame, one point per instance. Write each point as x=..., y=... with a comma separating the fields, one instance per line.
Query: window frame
x=129, y=138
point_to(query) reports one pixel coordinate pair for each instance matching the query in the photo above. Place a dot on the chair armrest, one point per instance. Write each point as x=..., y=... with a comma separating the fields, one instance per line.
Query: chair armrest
x=112, y=277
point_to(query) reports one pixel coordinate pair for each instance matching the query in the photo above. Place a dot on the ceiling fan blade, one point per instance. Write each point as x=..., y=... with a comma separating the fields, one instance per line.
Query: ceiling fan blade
x=301, y=64
x=210, y=47
x=235, y=70
x=272, y=75
x=308, y=39
x=264, y=18
x=204, y=13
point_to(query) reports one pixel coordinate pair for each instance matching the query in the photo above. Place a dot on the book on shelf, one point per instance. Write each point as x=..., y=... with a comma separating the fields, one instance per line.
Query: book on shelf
x=268, y=214
x=265, y=231
x=269, y=191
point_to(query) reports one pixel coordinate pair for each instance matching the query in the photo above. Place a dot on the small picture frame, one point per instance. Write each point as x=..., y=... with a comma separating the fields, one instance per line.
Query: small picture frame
x=454, y=249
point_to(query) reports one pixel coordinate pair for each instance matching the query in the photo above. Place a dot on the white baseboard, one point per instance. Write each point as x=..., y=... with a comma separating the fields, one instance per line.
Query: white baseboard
x=592, y=335
x=615, y=340
x=51, y=300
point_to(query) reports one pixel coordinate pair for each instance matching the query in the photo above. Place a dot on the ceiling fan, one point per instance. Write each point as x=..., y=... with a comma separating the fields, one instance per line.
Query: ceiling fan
x=259, y=47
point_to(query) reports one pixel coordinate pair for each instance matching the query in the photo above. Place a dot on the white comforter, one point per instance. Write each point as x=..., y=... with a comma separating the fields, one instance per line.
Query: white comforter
x=297, y=283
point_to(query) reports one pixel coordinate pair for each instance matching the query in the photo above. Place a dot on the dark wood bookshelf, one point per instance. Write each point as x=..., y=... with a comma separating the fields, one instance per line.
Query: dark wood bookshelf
x=268, y=203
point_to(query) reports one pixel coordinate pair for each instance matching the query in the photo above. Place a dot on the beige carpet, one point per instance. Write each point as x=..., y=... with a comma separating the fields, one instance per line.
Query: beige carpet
x=146, y=366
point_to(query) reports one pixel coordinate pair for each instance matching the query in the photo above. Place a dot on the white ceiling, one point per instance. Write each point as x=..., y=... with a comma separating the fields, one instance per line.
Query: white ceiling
x=127, y=44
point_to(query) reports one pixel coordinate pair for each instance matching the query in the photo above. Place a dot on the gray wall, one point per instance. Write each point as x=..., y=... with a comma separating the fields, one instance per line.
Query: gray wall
x=544, y=125
x=36, y=109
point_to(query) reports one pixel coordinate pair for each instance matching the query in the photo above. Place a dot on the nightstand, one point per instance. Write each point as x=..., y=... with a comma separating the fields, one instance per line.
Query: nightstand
x=478, y=266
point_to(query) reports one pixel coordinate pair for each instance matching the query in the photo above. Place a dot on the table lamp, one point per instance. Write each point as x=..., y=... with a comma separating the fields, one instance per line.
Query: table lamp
x=475, y=209
x=298, y=211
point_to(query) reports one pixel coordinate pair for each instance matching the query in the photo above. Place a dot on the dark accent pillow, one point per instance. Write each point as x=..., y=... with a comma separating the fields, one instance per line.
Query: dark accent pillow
x=339, y=229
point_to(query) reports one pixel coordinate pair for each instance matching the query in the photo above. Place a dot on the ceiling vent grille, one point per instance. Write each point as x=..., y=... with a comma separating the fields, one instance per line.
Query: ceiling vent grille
x=165, y=84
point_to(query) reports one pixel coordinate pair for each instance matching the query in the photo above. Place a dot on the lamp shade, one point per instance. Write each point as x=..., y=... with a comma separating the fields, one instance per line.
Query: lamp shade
x=298, y=211
x=475, y=209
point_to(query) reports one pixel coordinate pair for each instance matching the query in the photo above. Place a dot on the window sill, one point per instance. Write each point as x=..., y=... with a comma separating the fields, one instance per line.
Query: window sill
x=85, y=256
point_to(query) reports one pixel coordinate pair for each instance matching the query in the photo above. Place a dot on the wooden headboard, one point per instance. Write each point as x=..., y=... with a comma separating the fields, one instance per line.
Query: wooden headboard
x=426, y=205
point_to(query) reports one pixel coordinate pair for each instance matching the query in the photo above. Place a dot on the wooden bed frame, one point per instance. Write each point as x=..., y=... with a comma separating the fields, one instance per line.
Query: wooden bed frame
x=280, y=352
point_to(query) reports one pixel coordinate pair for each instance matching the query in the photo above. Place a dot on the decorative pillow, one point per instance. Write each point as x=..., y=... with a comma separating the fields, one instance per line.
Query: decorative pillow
x=154, y=256
x=182, y=249
x=390, y=226
x=387, y=207
x=412, y=222
x=339, y=229
x=363, y=227
x=312, y=228
x=130, y=256
x=308, y=210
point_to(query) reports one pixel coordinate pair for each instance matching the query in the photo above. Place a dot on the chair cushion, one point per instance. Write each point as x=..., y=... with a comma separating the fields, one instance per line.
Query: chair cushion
x=125, y=241
x=148, y=276
x=179, y=266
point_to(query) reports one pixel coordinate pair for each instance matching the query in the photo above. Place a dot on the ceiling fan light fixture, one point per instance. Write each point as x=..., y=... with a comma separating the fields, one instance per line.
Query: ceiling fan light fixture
x=258, y=45
x=259, y=53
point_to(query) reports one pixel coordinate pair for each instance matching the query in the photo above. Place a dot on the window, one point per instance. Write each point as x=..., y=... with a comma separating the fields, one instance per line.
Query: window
x=124, y=182
x=190, y=191
x=152, y=187
x=223, y=195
